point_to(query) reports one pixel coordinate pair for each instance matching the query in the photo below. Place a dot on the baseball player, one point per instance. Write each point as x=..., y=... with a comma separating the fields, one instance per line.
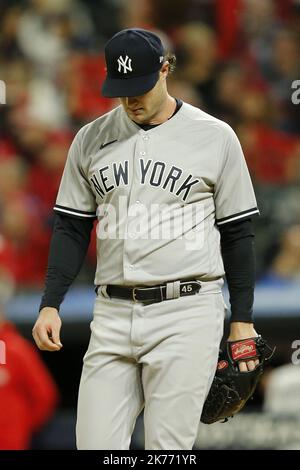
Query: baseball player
x=170, y=189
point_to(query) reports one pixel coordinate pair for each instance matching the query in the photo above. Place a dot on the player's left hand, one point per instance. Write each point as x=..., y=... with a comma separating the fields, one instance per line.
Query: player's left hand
x=242, y=330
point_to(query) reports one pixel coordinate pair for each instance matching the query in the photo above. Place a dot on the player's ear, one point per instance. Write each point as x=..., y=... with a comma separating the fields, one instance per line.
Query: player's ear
x=165, y=69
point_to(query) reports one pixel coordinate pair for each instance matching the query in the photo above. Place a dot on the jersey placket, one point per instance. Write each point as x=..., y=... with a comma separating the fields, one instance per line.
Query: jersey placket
x=136, y=204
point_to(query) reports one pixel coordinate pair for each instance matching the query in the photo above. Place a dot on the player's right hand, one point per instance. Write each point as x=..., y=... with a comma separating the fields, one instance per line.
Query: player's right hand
x=47, y=329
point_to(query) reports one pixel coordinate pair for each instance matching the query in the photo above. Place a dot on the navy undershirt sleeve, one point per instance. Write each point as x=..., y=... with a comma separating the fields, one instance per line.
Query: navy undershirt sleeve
x=68, y=247
x=238, y=253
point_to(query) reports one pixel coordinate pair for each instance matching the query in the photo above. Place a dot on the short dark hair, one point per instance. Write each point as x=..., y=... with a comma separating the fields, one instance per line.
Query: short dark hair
x=171, y=58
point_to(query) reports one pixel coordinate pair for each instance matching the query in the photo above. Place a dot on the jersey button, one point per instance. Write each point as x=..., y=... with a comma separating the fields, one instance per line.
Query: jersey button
x=143, y=153
x=145, y=137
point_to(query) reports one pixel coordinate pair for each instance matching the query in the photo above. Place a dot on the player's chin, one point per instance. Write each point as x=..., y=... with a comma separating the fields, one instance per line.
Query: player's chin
x=138, y=116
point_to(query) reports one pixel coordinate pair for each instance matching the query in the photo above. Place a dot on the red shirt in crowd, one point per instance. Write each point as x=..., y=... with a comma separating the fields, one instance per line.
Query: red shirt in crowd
x=28, y=395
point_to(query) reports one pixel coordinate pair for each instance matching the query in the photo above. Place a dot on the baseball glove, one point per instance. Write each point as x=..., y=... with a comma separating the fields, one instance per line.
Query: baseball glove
x=231, y=389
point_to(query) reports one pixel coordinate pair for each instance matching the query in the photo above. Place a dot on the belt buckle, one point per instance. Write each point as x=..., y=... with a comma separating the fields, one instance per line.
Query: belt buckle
x=134, y=294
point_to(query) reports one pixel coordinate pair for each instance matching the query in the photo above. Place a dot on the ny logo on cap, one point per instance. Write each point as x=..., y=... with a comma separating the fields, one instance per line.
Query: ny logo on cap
x=125, y=63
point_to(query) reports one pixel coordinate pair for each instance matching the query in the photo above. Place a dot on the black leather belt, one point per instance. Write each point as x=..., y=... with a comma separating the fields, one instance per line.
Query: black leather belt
x=151, y=294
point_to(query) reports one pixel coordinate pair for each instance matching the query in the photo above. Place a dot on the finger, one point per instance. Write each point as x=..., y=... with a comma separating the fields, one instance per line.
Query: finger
x=251, y=365
x=55, y=336
x=256, y=362
x=243, y=367
x=36, y=338
x=44, y=342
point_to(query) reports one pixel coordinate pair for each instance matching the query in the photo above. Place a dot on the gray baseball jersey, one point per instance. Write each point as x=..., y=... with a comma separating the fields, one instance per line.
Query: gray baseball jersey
x=159, y=195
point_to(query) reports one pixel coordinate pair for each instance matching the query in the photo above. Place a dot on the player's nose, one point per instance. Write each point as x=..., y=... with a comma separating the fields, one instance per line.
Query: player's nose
x=131, y=101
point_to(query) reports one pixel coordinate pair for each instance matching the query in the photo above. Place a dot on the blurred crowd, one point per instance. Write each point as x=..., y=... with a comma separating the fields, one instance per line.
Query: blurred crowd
x=236, y=59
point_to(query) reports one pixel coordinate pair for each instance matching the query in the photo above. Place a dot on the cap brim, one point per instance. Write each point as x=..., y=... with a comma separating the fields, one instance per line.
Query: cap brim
x=135, y=86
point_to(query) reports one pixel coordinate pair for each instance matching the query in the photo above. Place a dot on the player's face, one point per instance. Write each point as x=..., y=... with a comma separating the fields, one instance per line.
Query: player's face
x=145, y=109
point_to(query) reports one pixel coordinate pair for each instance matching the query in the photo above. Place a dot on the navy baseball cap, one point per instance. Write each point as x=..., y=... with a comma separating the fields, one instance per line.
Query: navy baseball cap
x=133, y=60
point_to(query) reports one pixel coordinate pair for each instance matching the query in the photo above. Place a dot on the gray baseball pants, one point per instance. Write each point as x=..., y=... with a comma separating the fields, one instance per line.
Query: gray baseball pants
x=161, y=357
